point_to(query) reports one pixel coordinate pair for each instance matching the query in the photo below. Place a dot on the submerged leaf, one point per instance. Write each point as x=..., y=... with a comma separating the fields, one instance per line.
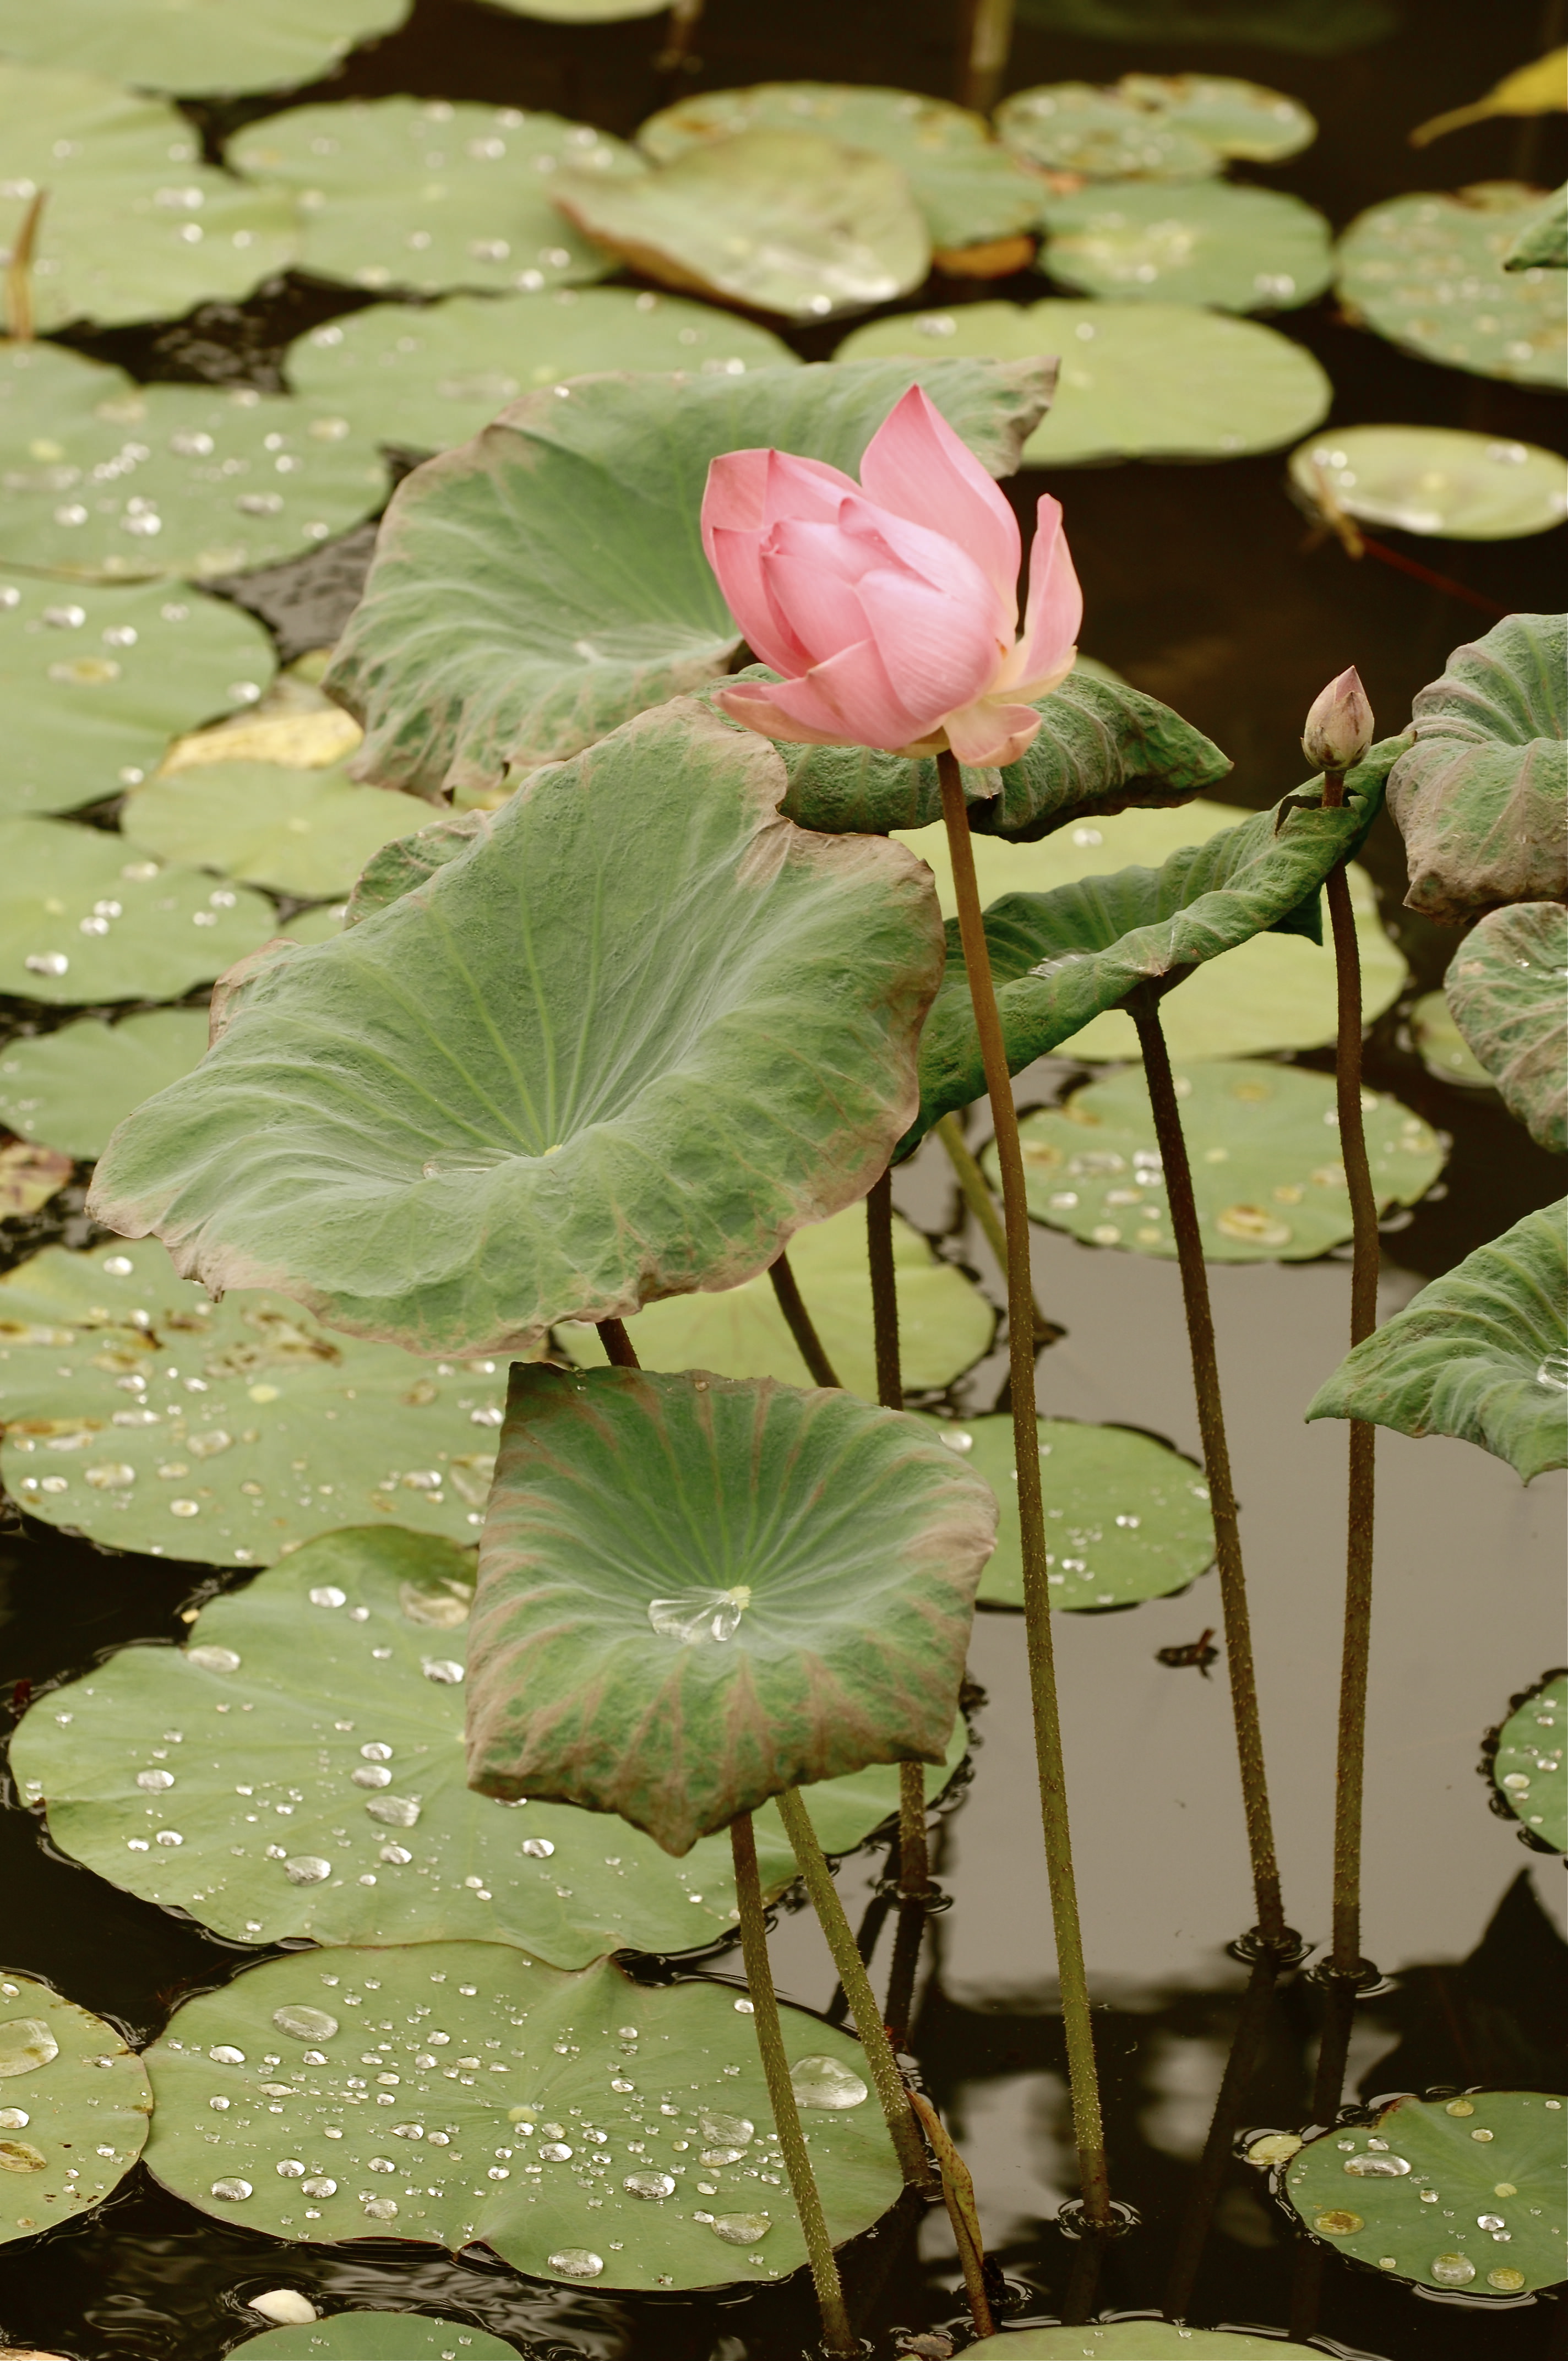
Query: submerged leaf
x=1428, y=272
x=1508, y=987
x=71, y=2088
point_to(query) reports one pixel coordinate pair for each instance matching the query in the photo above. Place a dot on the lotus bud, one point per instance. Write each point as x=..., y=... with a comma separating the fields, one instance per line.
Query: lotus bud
x=1340, y=725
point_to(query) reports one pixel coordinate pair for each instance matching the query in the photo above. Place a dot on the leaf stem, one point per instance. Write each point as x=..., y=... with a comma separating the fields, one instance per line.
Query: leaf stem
x=841, y=2338
x=958, y=2194
x=913, y=1892
x=791, y=1303
x=1076, y=2024
x=976, y=1192
x=884, y=1293
x=987, y=41
x=619, y=1350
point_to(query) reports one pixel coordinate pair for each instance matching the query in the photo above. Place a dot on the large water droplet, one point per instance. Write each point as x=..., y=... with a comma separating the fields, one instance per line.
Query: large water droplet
x=820, y=2082
x=1377, y=2168
x=381, y=2209
x=576, y=2263
x=155, y=1781
x=319, y=2188
x=1553, y=1373
x=14, y=2119
x=731, y=2131
x=394, y=1811
x=1336, y=2223
x=304, y=2024
x=225, y=2054
x=445, y=1670
x=327, y=1593
x=1507, y=2280
x=213, y=1660
x=654, y=2185
x=292, y=2167
x=698, y=1615
x=371, y=1775
x=538, y=1848
x=554, y=2151
x=1274, y=2147
x=1452, y=2270
x=25, y=2043
x=307, y=1868
x=741, y=2229
x=21, y=2156
x=233, y=2193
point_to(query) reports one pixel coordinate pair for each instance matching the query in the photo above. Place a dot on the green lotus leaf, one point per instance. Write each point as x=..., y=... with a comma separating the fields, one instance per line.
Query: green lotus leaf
x=699, y=1592
x=418, y=193
x=1239, y=119
x=1240, y=249
x=541, y=584
x=1527, y=1769
x=410, y=860
x=1314, y=28
x=320, y=925
x=1136, y=380
x=1128, y=1517
x=1481, y=1352
x=96, y=684
x=1542, y=243
x=379, y=2336
x=355, y=1645
x=1132, y=2340
x=428, y=376
x=945, y=1325
x=546, y=2133
x=69, y=2086
x=308, y=832
x=708, y=1040
x=1267, y=1175
x=1478, y=798
x=1072, y=127
x=1506, y=990
x=106, y=480
x=195, y=45
x=1428, y=273
x=1061, y=957
x=972, y=191
x=1434, y=479
x=1443, y=2193
x=785, y=222
x=1443, y=1050
x=70, y=1088
x=89, y=916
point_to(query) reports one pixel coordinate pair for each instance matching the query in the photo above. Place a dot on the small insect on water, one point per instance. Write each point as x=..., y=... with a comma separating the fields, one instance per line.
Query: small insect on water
x=1197, y=1652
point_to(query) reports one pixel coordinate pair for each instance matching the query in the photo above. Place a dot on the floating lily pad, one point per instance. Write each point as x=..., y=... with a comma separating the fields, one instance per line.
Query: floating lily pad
x=429, y=377
x=1445, y=1051
x=30, y=1175
x=1447, y=2193
x=1428, y=273
x=96, y=684
x=972, y=191
x=1136, y=381
x=379, y=2336
x=89, y=916
x=1529, y=1769
x=420, y=194
x=786, y=221
x=1127, y=1518
x=682, y=937
x=1158, y=126
x=109, y=480
x=945, y=1325
x=1136, y=2339
x=322, y=925
x=1542, y=243
x=1240, y=249
x=293, y=724
x=354, y=1646
x=308, y=832
x=196, y=45
x=71, y=1087
x=1507, y=990
x=70, y=2086
x=1242, y=121
x=1264, y=1145
x=1435, y=479
x=1482, y=1352
x=1316, y=29
x=1478, y=798
x=536, y=2153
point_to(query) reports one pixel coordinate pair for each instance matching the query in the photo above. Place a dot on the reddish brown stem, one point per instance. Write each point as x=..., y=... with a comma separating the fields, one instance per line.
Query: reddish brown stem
x=619, y=1350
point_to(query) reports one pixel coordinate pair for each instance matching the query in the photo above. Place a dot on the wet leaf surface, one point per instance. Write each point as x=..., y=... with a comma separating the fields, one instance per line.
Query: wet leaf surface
x=1435, y=479
x=1428, y=273
x=85, y=916
x=71, y=1088
x=299, y=831
x=1161, y=126
x=1206, y=242
x=379, y=2336
x=1529, y=1769
x=74, y=2101
x=1506, y=988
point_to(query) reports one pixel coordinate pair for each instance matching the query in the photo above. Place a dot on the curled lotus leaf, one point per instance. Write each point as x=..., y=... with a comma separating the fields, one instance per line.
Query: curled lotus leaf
x=537, y=587
x=1508, y=987
x=696, y=1592
x=1542, y=243
x=74, y=2103
x=1479, y=796
x=1481, y=1352
x=708, y=1040
x=1530, y=1775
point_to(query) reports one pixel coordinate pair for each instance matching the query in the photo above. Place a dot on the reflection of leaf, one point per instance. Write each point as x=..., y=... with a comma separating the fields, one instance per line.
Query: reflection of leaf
x=69, y=2087
x=1240, y=249
x=1426, y=271
x=1482, y=1352
x=1507, y=989
x=200, y=45
x=1434, y=479
x=1529, y=1769
x=1540, y=88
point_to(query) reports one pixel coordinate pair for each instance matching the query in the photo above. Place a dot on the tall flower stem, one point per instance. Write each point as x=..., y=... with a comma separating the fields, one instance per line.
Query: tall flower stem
x=856, y=1984
x=976, y=1193
x=1144, y=1005
x=839, y=2337
x=619, y=1350
x=958, y=2194
x=987, y=39
x=884, y=1293
x=808, y=1344
x=1077, y=2023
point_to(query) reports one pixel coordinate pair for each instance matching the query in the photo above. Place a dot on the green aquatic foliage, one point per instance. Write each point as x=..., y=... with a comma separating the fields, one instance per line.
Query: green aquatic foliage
x=1442, y=1048
x=308, y=832
x=85, y=916
x=1507, y=989
x=1159, y=127
x=74, y=2101
x=1529, y=1771
x=196, y=45
x=1481, y=1352
x=1542, y=243
x=1429, y=272
x=1206, y=242
x=1135, y=2340
x=70, y=1088
x=377, y=2337
x=1434, y=479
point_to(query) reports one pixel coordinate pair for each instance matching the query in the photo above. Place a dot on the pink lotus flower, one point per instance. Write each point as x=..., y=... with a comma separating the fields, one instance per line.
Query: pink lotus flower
x=890, y=606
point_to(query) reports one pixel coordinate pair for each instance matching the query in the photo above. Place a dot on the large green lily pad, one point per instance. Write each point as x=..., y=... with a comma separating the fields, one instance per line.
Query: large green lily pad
x=1245, y=122
x=70, y=2086
x=1263, y=1144
x=1435, y=479
x=1127, y=1518
x=1240, y=249
x=784, y=222
x=945, y=1325
x=1136, y=2339
x=428, y=377
x=1506, y=987
x=95, y=685
x=972, y=191
x=195, y=45
x=1136, y=381
x=379, y=2336
x=419, y=193
x=1542, y=243
x=537, y=588
x=85, y=916
x=1428, y=273
x=140, y=1412
x=1157, y=126
x=641, y=1032
x=1529, y=1769
x=536, y=2151
x=306, y=832
x=1482, y=1352
x=697, y=1592
x=1453, y=2194
x=112, y=481
x=70, y=1088
x=342, y=1664
x=1479, y=796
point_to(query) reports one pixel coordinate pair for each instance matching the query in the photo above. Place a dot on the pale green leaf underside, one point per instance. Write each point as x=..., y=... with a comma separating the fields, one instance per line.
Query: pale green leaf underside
x=1542, y=243
x=87, y=916
x=1240, y=249
x=1402, y=262
x=1481, y=1352
x=1529, y=1769
x=488, y=2182
x=1508, y=987
x=70, y=2090
x=1435, y=479
x=379, y=2336
x=195, y=45
x=304, y=832
x=70, y=1088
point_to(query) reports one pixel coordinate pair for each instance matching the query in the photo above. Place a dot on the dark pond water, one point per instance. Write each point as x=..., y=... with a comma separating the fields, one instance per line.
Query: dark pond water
x=1199, y=587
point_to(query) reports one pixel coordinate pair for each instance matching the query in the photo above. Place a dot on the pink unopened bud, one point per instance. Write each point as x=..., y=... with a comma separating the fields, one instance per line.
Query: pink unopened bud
x=1340, y=725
